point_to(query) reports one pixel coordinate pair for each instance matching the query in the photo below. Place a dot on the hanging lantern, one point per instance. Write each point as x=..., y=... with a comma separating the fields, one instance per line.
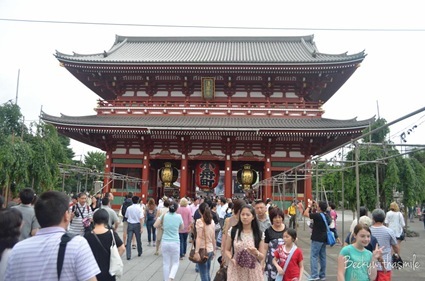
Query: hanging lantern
x=168, y=174
x=207, y=175
x=246, y=177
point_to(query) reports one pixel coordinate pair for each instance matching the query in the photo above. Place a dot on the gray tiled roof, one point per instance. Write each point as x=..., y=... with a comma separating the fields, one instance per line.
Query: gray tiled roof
x=206, y=123
x=213, y=50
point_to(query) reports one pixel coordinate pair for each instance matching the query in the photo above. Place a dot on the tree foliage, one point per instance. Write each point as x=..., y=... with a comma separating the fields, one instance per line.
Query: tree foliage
x=396, y=172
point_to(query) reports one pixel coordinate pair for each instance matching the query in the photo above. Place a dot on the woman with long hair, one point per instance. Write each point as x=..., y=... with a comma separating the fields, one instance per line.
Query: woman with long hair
x=171, y=223
x=205, y=238
x=100, y=241
x=243, y=246
x=394, y=219
x=94, y=205
x=230, y=222
x=10, y=230
x=273, y=238
x=150, y=217
x=186, y=214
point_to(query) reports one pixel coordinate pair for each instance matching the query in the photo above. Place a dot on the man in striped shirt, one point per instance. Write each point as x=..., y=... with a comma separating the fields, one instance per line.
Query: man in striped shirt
x=79, y=212
x=36, y=258
x=386, y=238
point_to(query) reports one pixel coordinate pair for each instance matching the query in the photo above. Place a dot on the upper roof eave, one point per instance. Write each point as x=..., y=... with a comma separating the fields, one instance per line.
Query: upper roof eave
x=197, y=122
x=212, y=51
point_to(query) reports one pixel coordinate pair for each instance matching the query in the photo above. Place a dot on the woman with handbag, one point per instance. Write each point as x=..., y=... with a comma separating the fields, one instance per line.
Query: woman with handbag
x=243, y=248
x=100, y=241
x=205, y=238
x=171, y=224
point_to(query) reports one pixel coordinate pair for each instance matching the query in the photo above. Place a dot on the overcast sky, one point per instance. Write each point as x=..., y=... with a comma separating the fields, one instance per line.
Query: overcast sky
x=391, y=32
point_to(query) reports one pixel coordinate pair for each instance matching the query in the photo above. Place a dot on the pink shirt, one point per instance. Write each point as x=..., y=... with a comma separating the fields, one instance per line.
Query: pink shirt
x=209, y=234
x=186, y=214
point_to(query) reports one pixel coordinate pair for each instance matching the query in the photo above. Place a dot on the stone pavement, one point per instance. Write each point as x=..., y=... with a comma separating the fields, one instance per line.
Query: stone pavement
x=148, y=267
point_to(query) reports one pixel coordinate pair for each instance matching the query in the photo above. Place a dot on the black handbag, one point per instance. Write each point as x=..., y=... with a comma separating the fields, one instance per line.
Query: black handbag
x=397, y=262
x=221, y=274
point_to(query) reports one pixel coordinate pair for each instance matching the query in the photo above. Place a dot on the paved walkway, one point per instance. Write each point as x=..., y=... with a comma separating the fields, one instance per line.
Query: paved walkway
x=148, y=267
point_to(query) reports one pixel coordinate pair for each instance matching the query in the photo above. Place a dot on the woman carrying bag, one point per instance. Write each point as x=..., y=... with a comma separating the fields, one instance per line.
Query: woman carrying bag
x=243, y=248
x=205, y=238
x=100, y=241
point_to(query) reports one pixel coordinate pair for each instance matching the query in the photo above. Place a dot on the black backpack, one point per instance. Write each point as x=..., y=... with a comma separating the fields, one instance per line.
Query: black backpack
x=125, y=205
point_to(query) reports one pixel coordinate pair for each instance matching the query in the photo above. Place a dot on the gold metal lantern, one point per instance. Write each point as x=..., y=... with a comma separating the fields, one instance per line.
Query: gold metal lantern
x=168, y=174
x=246, y=177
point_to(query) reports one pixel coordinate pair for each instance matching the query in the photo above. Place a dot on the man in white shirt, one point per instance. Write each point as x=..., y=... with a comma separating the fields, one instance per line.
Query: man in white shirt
x=135, y=218
x=223, y=210
x=79, y=213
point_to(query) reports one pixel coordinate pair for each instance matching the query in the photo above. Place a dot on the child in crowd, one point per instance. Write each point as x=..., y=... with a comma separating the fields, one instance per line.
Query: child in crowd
x=288, y=258
x=355, y=262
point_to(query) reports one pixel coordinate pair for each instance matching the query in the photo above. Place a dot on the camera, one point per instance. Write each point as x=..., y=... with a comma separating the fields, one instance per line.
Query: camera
x=76, y=214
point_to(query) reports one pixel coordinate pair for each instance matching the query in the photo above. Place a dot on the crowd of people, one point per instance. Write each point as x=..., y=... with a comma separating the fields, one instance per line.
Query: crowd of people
x=249, y=238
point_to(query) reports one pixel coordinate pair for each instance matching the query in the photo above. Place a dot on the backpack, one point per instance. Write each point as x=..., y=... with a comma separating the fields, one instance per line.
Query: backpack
x=150, y=216
x=125, y=205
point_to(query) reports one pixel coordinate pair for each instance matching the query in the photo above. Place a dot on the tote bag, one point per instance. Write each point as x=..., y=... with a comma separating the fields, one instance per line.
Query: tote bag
x=116, y=265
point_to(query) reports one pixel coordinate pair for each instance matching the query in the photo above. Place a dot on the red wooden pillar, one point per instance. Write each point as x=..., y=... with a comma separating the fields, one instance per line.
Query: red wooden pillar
x=307, y=183
x=228, y=177
x=108, y=167
x=267, y=188
x=145, y=177
x=183, y=176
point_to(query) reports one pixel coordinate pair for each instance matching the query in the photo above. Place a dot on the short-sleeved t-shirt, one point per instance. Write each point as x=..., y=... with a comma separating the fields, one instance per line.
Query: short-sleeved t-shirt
x=171, y=225
x=372, y=244
x=293, y=269
x=357, y=263
x=319, y=228
x=386, y=238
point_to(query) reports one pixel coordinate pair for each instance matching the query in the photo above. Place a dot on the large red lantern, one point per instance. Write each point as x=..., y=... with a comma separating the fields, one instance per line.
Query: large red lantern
x=207, y=174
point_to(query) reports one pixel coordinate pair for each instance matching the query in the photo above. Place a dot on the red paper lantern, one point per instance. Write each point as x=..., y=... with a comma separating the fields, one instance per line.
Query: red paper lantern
x=207, y=174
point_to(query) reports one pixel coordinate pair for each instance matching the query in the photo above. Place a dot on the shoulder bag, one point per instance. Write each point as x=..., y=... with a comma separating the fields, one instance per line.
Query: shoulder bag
x=330, y=240
x=203, y=254
x=285, y=266
x=159, y=223
x=116, y=265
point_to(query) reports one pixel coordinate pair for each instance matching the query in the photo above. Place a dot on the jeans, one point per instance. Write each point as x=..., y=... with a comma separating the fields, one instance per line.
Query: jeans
x=133, y=228
x=292, y=221
x=204, y=268
x=318, y=254
x=183, y=243
x=170, y=261
x=151, y=230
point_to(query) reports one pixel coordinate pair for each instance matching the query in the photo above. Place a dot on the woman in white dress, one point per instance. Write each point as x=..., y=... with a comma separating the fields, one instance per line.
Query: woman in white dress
x=394, y=219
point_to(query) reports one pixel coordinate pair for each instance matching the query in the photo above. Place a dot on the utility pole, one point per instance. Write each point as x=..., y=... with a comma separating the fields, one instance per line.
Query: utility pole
x=356, y=147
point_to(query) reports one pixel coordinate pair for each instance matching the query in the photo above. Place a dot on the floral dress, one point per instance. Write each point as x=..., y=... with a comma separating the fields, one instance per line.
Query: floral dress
x=237, y=273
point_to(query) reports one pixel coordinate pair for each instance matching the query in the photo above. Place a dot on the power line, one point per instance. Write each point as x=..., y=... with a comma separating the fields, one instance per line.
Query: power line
x=216, y=27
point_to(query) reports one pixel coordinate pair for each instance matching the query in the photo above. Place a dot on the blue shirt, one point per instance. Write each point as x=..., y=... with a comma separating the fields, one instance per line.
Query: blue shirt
x=171, y=225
